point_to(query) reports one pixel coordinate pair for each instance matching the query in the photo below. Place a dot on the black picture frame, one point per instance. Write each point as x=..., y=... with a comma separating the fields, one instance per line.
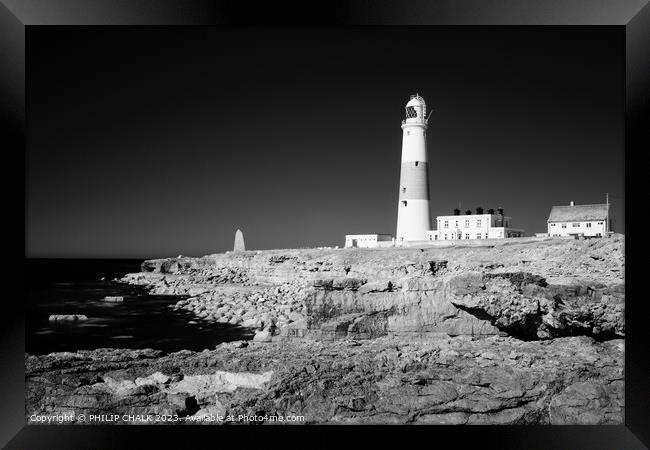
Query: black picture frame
x=16, y=18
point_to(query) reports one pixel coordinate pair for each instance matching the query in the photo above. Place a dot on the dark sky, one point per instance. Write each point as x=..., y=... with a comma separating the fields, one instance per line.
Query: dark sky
x=159, y=141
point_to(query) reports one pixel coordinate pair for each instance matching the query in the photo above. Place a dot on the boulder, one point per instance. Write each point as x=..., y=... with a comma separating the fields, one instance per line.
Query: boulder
x=251, y=323
x=217, y=410
x=263, y=336
x=67, y=317
x=295, y=316
x=154, y=378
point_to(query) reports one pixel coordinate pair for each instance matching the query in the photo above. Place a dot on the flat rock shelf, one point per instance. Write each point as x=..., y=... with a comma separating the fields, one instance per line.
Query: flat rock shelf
x=461, y=380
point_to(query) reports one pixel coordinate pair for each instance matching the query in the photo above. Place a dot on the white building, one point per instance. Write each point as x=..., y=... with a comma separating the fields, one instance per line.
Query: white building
x=413, y=215
x=369, y=240
x=580, y=220
x=474, y=226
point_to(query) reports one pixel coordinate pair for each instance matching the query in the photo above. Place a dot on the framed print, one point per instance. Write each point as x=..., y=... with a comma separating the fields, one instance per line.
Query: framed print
x=388, y=216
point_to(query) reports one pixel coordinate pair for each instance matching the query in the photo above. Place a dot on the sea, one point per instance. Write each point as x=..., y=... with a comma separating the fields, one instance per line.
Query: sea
x=78, y=286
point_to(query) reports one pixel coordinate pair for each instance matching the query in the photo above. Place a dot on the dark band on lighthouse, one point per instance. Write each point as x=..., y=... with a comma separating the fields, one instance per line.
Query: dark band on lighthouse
x=414, y=181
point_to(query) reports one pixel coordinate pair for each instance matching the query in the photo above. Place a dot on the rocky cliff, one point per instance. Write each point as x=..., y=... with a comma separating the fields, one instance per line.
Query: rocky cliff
x=515, y=332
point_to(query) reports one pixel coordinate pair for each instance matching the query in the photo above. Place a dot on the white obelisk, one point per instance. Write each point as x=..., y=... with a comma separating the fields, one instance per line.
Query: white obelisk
x=239, y=242
x=413, y=215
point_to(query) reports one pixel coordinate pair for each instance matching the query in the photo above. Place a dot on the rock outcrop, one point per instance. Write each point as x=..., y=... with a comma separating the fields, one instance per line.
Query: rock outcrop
x=531, y=290
x=68, y=318
x=443, y=380
x=526, y=306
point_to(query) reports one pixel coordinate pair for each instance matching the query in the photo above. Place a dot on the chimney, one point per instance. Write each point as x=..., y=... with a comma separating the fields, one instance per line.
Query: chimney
x=500, y=222
x=479, y=210
x=490, y=211
x=456, y=212
x=572, y=203
x=468, y=212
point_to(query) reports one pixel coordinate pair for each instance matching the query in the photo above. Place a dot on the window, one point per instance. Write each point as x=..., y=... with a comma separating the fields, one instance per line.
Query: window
x=564, y=225
x=575, y=224
x=436, y=237
x=552, y=224
x=467, y=223
x=403, y=189
x=416, y=163
x=486, y=236
x=478, y=236
x=466, y=235
x=478, y=221
x=403, y=202
x=456, y=224
x=600, y=223
x=446, y=226
x=411, y=112
x=588, y=224
x=445, y=236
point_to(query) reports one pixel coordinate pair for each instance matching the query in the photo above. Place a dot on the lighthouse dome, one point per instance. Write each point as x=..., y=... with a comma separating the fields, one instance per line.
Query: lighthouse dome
x=416, y=109
x=416, y=100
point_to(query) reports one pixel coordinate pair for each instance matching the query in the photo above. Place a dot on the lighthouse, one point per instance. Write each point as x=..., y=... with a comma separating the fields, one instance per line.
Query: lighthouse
x=413, y=216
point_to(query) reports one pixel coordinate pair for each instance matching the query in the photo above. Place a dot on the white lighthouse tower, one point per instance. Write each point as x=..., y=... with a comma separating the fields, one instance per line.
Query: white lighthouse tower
x=413, y=216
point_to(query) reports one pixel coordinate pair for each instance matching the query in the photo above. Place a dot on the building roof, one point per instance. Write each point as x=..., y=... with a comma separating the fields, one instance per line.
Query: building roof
x=464, y=216
x=578, y=213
